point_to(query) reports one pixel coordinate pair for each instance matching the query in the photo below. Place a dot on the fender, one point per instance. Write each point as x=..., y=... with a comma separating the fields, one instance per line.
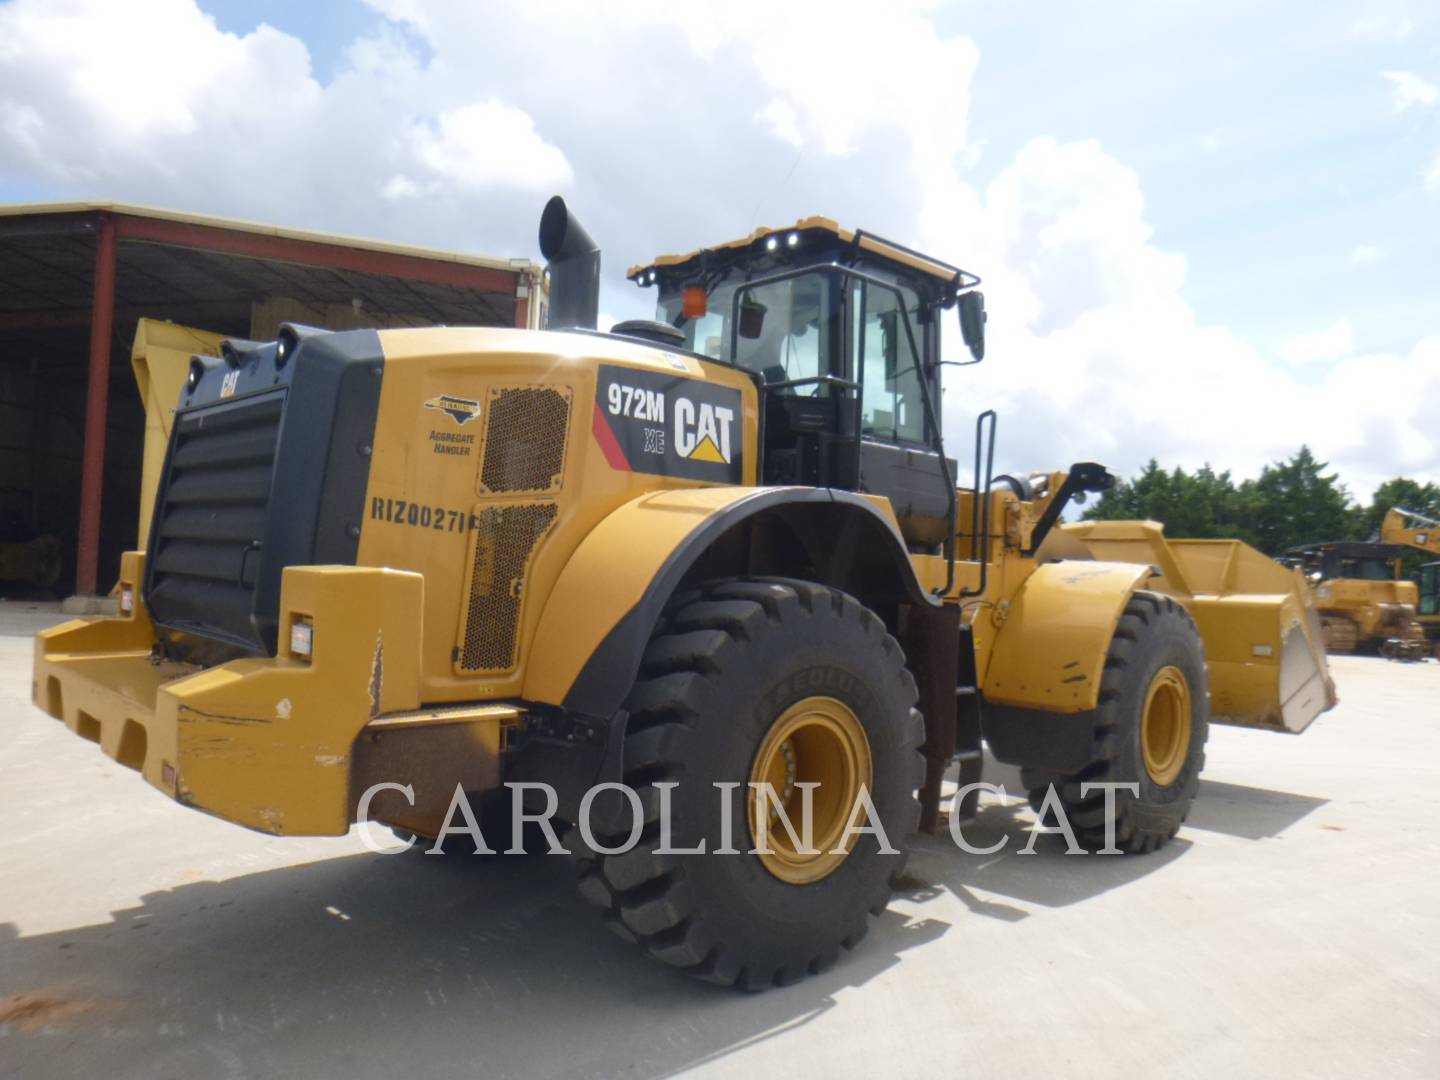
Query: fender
x=1049, y=652
x=1043, y=676
x=609, y=597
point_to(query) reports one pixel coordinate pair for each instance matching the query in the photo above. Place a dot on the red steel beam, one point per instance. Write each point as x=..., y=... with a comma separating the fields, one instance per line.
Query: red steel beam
x=97, y=403
x=312, y=253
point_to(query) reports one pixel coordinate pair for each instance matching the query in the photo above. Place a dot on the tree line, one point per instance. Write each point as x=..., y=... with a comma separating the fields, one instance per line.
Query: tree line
x=1293, y=502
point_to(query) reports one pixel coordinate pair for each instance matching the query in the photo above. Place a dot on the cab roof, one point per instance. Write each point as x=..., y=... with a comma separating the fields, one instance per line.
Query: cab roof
x=869, y=242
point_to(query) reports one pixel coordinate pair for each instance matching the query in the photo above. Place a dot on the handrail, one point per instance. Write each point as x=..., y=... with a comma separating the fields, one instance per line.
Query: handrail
x=980, y=519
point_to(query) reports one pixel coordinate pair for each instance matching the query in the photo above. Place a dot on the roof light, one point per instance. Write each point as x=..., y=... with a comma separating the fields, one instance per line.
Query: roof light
x=771, y=244
x=793, y=239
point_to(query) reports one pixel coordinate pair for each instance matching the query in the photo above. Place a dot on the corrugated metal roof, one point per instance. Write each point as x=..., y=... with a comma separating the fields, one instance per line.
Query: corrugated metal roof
x=238, y=225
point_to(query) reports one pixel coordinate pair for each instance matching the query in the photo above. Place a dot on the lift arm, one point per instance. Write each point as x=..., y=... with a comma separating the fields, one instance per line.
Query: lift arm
x=1412, y=530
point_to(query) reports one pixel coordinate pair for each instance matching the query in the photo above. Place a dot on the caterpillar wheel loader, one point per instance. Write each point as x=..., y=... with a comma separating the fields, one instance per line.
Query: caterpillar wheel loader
x=624, y=574
x=1364, y=600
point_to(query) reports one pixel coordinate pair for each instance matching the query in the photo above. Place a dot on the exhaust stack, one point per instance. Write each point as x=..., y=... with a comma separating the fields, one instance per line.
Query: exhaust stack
x=573, y=262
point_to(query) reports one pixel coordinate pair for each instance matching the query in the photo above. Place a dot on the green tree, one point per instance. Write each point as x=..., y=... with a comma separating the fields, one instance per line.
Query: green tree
x=1402, y=492
x=1291, y=503
x=1204, y=505
x=1296, y=502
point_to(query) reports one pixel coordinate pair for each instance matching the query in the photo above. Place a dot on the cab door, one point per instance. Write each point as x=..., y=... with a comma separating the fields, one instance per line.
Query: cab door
x=899, y=452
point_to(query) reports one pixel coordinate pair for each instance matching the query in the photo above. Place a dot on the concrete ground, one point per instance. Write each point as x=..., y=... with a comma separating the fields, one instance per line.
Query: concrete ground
x=1291, y=930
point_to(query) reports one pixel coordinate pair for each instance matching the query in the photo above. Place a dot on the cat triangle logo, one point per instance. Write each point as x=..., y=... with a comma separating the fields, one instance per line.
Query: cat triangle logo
x=706, y=450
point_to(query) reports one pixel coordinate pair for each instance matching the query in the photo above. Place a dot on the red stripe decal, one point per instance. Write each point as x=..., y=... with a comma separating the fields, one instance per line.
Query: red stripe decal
x=608, y=444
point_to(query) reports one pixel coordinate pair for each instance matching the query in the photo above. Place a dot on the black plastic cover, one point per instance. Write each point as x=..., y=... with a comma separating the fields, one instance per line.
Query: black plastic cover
x=267, y=466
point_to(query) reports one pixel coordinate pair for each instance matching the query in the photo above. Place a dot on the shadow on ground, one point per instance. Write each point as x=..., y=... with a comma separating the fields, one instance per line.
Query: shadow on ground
x=1045, y=877
x=372, y=964
x=462, y=966
x=1248, y=812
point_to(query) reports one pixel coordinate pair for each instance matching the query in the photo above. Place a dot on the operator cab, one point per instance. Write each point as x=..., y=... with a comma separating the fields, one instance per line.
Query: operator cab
x=1429, y=589
x=1351, y=561
x=841, y=332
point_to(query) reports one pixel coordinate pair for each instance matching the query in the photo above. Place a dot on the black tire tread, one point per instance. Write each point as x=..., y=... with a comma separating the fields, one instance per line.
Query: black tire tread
x=644, y=898
x=1086, y=814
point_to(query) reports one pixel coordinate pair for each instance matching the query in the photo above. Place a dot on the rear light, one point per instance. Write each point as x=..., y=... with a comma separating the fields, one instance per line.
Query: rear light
x=302, y=637
x=127, y=599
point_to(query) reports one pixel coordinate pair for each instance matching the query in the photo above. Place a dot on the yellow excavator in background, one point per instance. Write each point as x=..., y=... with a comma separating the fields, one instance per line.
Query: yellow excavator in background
x=1422, y=533
x=1359, y=589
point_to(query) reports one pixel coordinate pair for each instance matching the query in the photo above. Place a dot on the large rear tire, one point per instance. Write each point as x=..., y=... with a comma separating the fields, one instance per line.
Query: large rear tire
x=1149, y=729
x=748, y=680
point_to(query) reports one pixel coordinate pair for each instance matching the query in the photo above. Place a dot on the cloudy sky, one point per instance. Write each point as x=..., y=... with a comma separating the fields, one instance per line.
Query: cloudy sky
x=1209, y=231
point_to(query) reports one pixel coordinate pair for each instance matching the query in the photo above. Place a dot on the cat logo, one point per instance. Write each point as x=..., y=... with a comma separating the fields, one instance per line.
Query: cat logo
x=229, y=383
x=702, y=432
x=461, y=410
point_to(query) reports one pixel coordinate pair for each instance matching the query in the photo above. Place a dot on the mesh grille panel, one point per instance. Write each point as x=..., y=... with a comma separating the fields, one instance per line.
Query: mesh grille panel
x=504, y=538
x=525, y=435
x=210, y=517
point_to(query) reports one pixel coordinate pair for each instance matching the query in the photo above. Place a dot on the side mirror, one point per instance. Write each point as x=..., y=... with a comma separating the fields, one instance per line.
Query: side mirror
x=972, y=322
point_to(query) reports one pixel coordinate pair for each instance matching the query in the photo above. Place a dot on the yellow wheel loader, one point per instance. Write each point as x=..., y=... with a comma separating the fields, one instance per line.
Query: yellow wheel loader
x=637, y=577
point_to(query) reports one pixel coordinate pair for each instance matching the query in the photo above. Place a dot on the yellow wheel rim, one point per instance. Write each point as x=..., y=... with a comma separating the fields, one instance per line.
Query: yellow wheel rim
x=815, y=741
x=1165, y=725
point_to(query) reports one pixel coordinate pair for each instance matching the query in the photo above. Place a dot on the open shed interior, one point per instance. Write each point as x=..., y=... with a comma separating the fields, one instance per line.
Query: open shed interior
x=229, y=278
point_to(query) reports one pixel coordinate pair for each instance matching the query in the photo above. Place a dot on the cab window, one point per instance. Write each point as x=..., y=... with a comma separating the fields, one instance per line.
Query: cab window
x=790, y=330
x=1367, y=569
x=1430, y=590
x=886, y=365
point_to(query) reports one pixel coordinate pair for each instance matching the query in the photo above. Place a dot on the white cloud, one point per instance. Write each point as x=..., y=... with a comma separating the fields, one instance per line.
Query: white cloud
x=695, y=125
x=243, y=127
x=779, y=118
x=484, y=145
x=1366, y=255
x=1326, y=345
x=1432, y=177
x=1411, y=89
x=1389, y=25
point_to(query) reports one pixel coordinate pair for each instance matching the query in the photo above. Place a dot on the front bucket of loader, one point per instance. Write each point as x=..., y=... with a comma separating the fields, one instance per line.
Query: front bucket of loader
x=1262, y=635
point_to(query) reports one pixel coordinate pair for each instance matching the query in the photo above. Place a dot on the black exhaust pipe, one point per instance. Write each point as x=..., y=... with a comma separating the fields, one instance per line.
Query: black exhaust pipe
x=573, y=263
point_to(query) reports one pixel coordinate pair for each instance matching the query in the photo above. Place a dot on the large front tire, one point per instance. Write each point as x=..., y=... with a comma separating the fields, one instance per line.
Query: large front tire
x=768, y=679
x=1148, y=730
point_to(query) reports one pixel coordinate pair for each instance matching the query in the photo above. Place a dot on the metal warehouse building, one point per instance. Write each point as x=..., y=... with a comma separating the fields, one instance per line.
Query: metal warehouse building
x=76, y=278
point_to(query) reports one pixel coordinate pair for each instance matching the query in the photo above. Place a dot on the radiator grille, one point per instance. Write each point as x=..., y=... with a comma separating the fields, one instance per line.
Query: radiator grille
x=525, y=433
x=211, y=515
x=503, y=540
